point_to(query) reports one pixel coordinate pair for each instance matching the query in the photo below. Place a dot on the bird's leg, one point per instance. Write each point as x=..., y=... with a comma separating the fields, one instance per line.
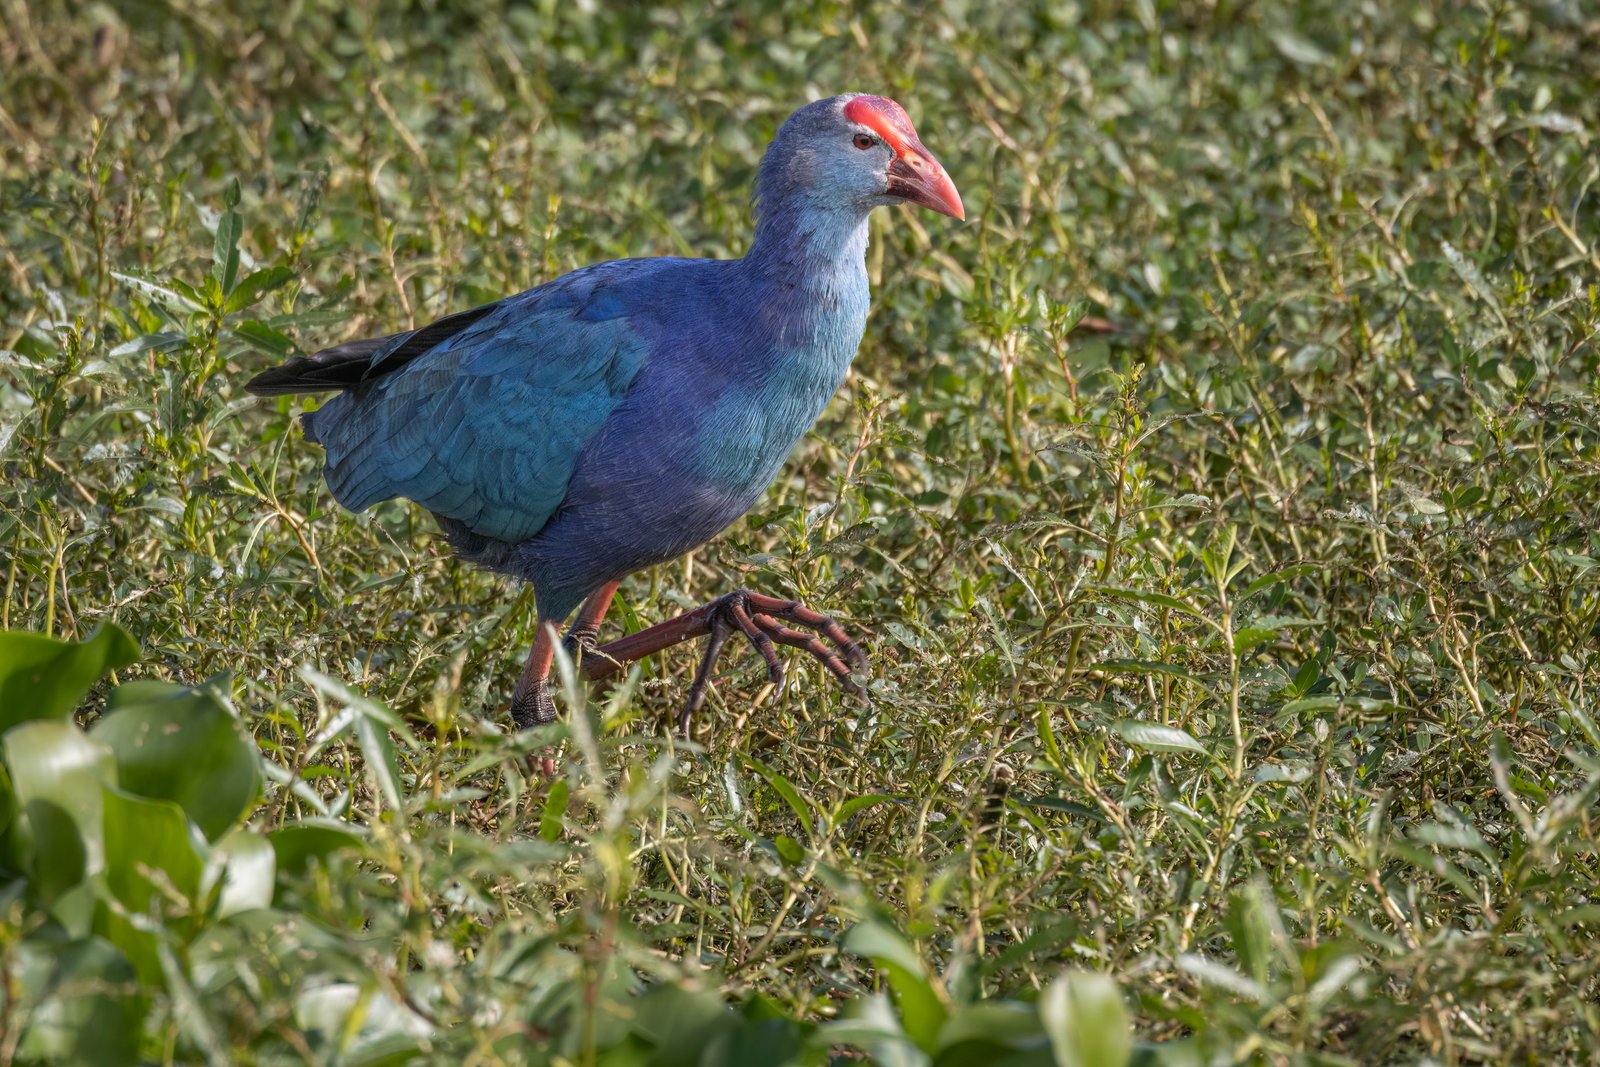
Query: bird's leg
x=530, y=702
x=758, y=618
x=581, y=635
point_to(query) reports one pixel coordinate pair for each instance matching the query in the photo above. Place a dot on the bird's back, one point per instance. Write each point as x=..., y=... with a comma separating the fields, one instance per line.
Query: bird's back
x=485, y=426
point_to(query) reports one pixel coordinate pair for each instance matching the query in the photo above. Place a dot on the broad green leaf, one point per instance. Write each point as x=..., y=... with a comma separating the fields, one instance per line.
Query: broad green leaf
x=869, y=1023
x=297, y=844
x=58, y=775
x=1088, y=1025
x=368, y=1025
x=154, y=864
x=1007, y=1024
x=144, y=837
x=680, y=1022
x=1251, y=935
x=86, y=1003
x=922, y=1011
x=764, y=1034
x=257, y=285
x=42, y=678
x=260, y=335
x=181, y=744
x=1155, y=737
x=244, y=867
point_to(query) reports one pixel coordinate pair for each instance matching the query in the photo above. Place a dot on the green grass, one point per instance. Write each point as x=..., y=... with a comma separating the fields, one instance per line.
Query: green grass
x=1280, y=598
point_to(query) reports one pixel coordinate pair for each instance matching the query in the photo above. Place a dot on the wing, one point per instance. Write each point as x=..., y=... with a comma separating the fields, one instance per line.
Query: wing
x=485, y=427
x=352, y=364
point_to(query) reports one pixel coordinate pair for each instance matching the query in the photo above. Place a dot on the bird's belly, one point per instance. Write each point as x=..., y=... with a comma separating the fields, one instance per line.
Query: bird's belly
x=679, y=478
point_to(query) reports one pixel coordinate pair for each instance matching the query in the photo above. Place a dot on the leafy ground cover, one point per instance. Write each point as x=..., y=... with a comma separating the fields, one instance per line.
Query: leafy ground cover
x=1219, y=504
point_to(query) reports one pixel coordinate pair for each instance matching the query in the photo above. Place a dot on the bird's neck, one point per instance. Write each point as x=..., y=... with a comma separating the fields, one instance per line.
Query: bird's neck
x=812, y=254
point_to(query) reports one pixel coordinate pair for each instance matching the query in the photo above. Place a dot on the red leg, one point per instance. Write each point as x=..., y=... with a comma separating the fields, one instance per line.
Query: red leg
x=530, y=702
x=752, y=614
x=586, y=627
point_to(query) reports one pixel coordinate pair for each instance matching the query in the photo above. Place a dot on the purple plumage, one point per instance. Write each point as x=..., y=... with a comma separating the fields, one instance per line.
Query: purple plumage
x=623, y=414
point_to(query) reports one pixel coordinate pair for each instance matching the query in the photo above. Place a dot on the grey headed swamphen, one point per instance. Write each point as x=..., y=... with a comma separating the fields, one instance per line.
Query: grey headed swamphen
x=625, y=413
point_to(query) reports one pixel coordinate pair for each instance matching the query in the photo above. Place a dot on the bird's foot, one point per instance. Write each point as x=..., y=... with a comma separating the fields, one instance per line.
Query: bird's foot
x=531, y=705
x=581, y=641
x=762, y=619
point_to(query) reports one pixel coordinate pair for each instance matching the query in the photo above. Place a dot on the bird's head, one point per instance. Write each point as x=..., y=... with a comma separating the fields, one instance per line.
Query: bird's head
x=854, y=151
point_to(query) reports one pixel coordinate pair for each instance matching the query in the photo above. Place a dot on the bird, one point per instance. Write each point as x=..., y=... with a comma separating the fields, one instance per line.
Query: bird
x=621, y=415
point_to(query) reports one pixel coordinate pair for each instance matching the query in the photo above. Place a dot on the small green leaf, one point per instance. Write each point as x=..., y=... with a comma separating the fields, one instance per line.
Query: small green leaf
x=1155, y=737
x=1145, y=666
x=553, y=816
x=167, y=291
x=789, y=850
x=785, y=789
x=1219, y=975
x=1249, y=637
x=1299, y=48
x=1272, y=578
x=42, y=678
x=163, y=341
x=1160, y=600
x=859, y=804
x=383, y=765
x=225, y=250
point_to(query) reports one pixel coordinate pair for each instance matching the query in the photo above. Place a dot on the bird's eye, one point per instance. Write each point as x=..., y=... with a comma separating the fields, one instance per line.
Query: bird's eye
x=865, y=141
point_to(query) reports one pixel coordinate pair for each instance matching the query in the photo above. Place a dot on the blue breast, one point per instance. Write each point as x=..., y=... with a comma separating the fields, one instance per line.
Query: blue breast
x=737, y=376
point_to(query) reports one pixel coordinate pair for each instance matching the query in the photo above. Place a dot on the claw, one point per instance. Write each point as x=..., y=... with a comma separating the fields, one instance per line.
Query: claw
x=757, y=617
x=764, y=622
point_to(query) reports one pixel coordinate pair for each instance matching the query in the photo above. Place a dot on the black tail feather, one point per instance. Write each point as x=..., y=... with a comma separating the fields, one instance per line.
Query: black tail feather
x=340, y=367
x=348, y=365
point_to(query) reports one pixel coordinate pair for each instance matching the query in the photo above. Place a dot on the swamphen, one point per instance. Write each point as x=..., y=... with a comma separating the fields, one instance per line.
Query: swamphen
x=623, y=414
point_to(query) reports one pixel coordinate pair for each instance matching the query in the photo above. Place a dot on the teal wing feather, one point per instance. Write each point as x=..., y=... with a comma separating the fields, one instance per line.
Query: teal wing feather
x=486, y=427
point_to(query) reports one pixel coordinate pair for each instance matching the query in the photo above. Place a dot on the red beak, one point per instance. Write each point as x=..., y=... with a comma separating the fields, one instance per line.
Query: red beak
x=917, y=177
x=914, y=175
